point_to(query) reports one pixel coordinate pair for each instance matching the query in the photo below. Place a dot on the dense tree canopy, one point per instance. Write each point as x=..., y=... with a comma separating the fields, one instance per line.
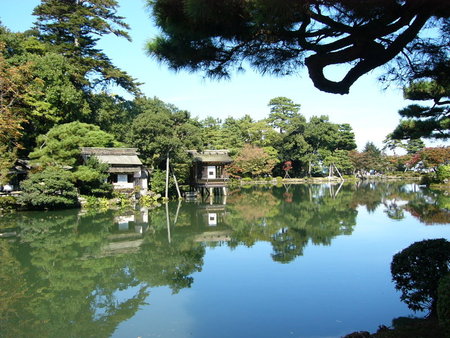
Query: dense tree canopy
x=282, y=36
x=61, y=145
x=161, y=129
x=426, y=121
x=73, y=28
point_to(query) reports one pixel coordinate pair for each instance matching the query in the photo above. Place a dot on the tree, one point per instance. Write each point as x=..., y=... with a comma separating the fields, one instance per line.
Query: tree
x=424, y=121
x=253, y=161
x=52, y=188
x=282, y=111
x=163, y=129
x=281, y=36
x=61, y=145
x=414, y=145
x=391, y=143
x=73, y=28
x=345, y=137
x=91, y=178
x=431, y=158
x=417, y=270
x=14, y=87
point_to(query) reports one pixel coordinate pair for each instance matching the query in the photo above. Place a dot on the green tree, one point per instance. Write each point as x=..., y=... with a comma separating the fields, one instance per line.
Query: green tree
x=91, y=178
x=425, y=121
x=414, y=145
x=212, y=133
x=345, y=139
x=391, y=143
x=52, y=188
x=417, y=270
x=163, y=129
x=61, y=145
x=282, y=111
x=14, y=87
x=73, y=28
x=114, y=114
x=279, y=37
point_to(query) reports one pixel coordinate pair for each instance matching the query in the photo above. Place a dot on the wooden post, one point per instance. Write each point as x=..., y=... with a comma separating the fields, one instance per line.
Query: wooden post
x=167, y=176
x=176, y=185
x=169, y=237
x=178, y=211
x=338, y=172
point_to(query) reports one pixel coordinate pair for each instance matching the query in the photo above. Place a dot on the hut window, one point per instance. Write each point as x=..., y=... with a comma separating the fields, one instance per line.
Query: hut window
x=130, y=178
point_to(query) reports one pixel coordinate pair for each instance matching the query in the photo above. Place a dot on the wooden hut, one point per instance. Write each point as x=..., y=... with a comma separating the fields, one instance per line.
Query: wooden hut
x=126, y=171
x=209, y=170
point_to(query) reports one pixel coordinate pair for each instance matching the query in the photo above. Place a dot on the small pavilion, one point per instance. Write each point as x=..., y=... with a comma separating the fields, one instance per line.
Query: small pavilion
x=208, y=171
x=126, y=171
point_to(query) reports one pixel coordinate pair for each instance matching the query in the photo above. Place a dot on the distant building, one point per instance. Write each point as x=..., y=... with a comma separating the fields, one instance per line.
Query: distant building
x=209, y=169
x=126, y=170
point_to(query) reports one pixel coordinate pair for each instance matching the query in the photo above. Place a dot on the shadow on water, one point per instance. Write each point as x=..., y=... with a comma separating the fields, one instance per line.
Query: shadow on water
x=64, y=273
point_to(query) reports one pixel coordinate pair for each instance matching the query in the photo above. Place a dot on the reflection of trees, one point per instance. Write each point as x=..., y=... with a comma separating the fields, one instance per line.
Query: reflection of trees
x=58, y=279
x=62, y=276
x=430, y=207
x=314, y=213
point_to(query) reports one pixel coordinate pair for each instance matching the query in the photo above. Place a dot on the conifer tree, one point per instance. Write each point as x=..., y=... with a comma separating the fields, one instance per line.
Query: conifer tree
x=73, y=27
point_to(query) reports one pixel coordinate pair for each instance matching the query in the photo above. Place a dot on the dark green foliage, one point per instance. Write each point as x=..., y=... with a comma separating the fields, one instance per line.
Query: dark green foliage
x=8, y=203
x=443, y=173
x=414, y=146
x=425, y=121
x=73, y=28
x=61, y=145
x=417, y=270
x=161, y=129
x=52, y=188
x=443, y=304
x=282, y=111
x=91, y=178
x=279, y=37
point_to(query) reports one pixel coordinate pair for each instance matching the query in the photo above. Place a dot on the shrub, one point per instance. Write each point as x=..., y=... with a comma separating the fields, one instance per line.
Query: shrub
x=8, y=203
x=49, y=189
x=91, y=179
x=443, y=173
x=417, y=270
x=149, y=200
x=443, y=304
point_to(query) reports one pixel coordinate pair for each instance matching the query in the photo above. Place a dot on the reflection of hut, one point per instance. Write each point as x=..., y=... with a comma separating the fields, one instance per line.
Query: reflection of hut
x=125, y=168
x=208, y=170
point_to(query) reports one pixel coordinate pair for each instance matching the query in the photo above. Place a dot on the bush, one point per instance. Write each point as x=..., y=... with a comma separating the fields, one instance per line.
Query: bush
x=417, y=270
x=149, y=200
x=443, y=304
x=91, y=179
x=49, y=189
x=8, y=203
x=443, y=173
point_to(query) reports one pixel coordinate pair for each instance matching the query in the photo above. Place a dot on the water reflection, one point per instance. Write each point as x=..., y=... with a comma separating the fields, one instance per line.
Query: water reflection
x=65, y=273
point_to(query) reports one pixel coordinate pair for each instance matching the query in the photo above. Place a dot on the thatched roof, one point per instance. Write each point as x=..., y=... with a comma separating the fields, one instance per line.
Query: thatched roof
x=113, y=156
x=211, y=156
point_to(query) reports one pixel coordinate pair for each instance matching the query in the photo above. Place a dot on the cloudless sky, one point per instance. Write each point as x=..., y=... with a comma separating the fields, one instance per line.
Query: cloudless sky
x=370, y=110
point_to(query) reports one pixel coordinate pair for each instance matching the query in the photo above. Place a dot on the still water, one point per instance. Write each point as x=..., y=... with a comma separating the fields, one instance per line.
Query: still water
x=290, y=261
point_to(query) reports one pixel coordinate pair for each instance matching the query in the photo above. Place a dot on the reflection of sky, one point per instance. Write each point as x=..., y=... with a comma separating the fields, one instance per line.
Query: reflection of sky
x=330, y=291
x=164, y=315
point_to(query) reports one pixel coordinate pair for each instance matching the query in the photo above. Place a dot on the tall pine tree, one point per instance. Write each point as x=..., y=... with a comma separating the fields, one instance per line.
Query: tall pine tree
x=73, y=27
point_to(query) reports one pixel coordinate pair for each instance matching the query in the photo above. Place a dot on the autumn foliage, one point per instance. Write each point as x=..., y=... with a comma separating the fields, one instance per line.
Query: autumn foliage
x=252, y=161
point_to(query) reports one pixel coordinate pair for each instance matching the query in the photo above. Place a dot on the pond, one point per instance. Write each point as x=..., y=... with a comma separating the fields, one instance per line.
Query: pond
x=289, y=261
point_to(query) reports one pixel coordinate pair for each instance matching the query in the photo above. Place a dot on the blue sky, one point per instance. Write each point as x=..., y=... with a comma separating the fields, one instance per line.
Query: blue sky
x=370, y=110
